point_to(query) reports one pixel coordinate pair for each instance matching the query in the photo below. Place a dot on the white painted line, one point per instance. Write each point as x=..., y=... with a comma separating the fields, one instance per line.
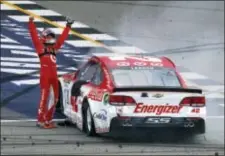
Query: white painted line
x=191, y=75
x=76, y=56
x=6, y=7
x=8, y=25
x=71, y=68
x=68, y=51
x=8, y=46
x=16, y=59
x=28, y=53
x=8, y=40
x=26, y=120
x=127, y=49
x=82, y=43
x=17, y=64
x=19, y=29
x=100, y=36
x=22, y=18
x=55, y=30
x=27, y=37
x=23, y=33
x=215, y=117
x=92, y=36
x=222, y=105
x=59, y=73
x=76, y=24
x=4, y=21
x=22, y=52
x=26, y=82
x=44, y=12
x=21, y=2
x=17, y=71
x=80, y=60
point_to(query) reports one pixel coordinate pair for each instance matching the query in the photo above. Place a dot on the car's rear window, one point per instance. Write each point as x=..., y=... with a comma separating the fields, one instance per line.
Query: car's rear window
x=150, y=76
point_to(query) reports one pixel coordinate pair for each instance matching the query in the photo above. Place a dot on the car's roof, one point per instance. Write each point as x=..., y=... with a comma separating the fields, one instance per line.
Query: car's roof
x=113, y=60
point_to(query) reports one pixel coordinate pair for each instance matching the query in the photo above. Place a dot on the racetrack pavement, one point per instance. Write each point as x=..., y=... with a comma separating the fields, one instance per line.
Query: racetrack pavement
x=24, y=138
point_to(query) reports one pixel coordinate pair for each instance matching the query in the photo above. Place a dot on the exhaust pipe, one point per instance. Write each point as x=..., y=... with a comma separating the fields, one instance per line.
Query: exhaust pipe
x=189, y=124
x=186, y=125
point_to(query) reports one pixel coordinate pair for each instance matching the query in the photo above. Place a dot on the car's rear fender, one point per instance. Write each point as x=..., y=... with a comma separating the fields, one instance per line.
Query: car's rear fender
x=102, y=114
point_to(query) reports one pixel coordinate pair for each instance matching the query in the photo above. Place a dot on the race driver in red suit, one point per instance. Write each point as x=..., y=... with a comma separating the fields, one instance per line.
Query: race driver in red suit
x=46, y=47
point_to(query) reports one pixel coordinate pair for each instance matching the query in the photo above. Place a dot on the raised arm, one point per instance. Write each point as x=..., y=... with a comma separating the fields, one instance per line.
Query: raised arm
x=64, y=34
x=34, y=35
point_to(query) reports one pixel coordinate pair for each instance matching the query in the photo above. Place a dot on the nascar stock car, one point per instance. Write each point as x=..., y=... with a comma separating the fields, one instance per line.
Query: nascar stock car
x=112, y=92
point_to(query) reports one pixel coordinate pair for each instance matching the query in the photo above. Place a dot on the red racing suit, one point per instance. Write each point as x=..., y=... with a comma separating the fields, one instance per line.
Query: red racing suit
x=48, y=72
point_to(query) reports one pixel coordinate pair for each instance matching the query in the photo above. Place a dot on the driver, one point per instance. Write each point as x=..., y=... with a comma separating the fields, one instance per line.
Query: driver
x=46, y=48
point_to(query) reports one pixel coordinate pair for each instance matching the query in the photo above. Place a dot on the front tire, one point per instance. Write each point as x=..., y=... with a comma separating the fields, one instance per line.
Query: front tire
x=89, y=122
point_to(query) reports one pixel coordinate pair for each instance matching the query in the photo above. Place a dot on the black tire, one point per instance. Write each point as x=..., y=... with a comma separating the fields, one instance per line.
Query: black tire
x=89, y=129
x=59, y=105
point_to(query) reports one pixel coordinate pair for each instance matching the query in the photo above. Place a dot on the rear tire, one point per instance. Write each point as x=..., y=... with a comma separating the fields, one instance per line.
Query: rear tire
x=89, y=122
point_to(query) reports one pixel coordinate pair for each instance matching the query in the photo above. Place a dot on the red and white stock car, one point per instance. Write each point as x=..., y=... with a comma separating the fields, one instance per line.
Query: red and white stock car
x=117, y=92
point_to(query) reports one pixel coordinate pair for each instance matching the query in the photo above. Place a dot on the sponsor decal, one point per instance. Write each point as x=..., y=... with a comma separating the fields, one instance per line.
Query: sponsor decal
x=53, y=58
x=123, y=64
x=124, y=58
x=102, y=115
x=139, y=64
x=157, y=95
x=105, y=98
x=157, y=109
x=96, y=95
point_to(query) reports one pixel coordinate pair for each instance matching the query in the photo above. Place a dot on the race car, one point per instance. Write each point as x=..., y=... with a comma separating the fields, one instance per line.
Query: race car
x=110, y=92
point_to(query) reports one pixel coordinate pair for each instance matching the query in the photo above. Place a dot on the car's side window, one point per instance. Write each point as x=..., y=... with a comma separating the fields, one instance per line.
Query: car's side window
x=89, y=72
x=98, y=77
x=82, y=71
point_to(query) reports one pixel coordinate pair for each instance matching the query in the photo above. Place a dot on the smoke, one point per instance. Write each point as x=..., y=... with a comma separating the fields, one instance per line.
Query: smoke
x=190, y=33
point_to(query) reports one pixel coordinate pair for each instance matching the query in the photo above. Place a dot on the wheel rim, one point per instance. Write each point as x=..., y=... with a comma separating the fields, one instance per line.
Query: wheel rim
x=88, y=119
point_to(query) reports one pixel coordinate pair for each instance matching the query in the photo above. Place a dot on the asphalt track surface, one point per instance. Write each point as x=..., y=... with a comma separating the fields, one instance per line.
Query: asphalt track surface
x=22, y=137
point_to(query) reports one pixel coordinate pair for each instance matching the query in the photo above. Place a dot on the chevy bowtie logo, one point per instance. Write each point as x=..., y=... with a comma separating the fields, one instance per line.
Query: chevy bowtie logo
x=157, y=95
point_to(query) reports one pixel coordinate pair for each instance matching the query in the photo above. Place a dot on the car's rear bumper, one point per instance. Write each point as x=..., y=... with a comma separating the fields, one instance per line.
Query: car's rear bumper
x=196, y=125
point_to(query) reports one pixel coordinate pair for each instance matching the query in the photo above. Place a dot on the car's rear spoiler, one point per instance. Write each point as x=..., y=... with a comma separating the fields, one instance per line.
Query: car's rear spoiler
x=163, y=89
